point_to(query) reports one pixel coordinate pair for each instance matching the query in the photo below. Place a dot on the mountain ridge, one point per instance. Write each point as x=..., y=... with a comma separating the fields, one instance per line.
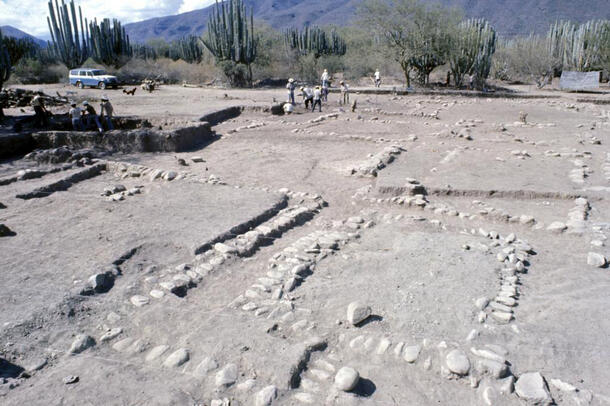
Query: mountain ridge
x=510, y=17
x=10, y=31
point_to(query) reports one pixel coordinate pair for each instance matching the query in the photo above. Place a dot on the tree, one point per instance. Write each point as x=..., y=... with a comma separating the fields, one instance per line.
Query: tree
x=70, y=47
x=230, y=38
x=524, y=58
x=418, y=33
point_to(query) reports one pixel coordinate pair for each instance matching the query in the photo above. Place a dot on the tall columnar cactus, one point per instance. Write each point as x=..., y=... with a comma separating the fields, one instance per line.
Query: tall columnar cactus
x=315, y=41
x=582, y=48
x=69, y=44
x=189, y=49
x=473, y=46
x=5, y=71
x=109, y=44
x=230, y=38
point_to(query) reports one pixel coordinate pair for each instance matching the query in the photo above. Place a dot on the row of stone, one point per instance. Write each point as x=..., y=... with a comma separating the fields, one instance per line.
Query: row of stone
x=514, y=256
x=224, y=377
x=188, y=276
x=289, y=268
x=376, y=162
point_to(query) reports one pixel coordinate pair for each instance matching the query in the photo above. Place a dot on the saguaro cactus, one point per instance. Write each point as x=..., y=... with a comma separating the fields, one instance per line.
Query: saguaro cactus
x=5, y=71
x=109, y=44
x=230, y=38
x=582, y=48
x=189, y=49
x=69, y=46
x=473, y=46
x=315, y=41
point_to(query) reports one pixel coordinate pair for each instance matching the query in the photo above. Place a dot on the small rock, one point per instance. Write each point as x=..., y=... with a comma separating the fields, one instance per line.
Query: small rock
x=227, y=375
x=208, y=364
x=532, y=387
x=156, y=352
x=197, y=159
x=357, y=313
x=70, y=379
x=81, y=343
x=557, y=227
x=6, y=232
x=525, y=219
x=113, y=333
x=139, y=301
x=458, y=362
x=266, y=396
x=177, y=358
x=596, y=260
x=101, y=282
x=411, y=353
x=481, y=303
x=170, y=175
x=346, y=379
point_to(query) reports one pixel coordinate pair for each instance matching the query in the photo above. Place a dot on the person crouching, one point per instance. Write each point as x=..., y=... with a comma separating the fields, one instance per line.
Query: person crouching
x=91, y=117
x=307, y=94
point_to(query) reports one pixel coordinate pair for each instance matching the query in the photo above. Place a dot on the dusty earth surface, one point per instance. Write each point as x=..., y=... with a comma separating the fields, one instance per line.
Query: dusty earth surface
x=422, y=250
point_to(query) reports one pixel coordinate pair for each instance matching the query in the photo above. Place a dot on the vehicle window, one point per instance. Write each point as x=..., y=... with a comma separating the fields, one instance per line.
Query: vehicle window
x=89, y=74
x=81, y=73
x=98, y=72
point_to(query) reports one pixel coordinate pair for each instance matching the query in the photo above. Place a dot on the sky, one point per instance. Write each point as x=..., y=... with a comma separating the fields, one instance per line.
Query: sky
x=31, y=15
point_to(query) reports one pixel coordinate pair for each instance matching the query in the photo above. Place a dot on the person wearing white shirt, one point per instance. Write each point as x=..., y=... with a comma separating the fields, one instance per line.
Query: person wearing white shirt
x=76, y=114
x=325, y=78
x=317, y=99
x=377, y=78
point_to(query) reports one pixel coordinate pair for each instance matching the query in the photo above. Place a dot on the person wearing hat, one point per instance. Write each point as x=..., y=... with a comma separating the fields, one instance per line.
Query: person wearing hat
x=291, y=86
x=317, y=99
x=106, y=111
x=307, y=94
x=90, y=116
x=325, y=78
x=344, y=92
x=75, y=114
x=40, y=111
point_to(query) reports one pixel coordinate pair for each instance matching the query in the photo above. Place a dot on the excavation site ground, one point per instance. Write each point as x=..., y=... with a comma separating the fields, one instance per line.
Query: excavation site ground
x=424, y=249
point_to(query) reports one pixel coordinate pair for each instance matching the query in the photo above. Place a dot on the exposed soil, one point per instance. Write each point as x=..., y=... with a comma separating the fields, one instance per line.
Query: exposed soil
x=223, y=275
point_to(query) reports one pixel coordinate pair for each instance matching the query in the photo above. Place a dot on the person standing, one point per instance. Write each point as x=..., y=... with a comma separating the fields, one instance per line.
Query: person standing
x=90, y=116
x=377, y=78
x=317, y=99
x=325, y=78
x=106, y=112
x=75, y=114
x=325, y=92
x=344, y=92
x=307, y=94
x=290, y=87
x=40, y=111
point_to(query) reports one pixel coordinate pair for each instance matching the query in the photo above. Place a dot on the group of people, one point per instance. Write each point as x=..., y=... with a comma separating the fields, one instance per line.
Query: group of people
x=87, y=116
x=81, y=118
x=315, y=96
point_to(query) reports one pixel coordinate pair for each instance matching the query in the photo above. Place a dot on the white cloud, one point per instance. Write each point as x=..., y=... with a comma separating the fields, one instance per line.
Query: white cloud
x=190, y=5
x=31, y=15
